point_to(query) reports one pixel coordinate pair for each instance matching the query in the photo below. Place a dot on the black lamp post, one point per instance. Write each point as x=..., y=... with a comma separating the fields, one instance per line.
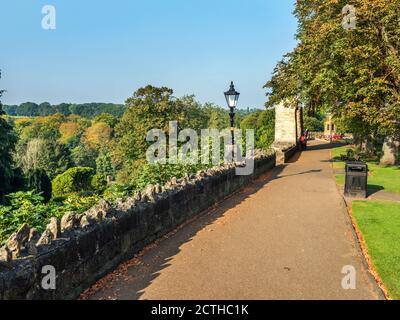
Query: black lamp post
x=232, y=97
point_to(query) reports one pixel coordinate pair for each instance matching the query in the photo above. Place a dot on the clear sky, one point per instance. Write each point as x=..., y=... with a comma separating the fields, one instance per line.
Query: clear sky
x=102, y=51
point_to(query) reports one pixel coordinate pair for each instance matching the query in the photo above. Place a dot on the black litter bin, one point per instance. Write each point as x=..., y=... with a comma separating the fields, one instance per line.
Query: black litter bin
x=356, y=179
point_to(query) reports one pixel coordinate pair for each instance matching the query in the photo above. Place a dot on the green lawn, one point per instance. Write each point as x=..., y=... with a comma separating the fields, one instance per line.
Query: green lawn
x=386, y=178
x=379, y=222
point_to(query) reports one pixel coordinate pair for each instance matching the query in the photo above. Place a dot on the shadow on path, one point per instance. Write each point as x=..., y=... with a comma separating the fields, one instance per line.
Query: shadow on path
x=142, y=270
x=325, y=146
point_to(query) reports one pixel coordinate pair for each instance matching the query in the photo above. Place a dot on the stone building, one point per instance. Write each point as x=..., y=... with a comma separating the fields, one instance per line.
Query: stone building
x=288, y=124
x=288, y=129
x=330, y=127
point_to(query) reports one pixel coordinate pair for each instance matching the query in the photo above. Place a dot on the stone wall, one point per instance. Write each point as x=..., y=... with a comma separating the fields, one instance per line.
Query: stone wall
x=284, y=153
x=83, y=248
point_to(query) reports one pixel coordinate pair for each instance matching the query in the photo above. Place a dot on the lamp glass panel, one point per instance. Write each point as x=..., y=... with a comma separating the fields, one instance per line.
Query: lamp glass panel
x=232, y=101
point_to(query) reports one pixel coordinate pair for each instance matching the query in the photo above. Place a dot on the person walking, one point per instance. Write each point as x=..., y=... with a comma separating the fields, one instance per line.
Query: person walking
x=303, y=142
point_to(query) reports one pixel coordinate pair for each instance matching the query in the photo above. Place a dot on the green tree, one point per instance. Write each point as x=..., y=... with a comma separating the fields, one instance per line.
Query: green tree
x=263, y=124
x=39, y=181
x=7, y=145
x=49, y=155
x=74, y=180
x=218, y=118
x=84, y=156
x=196, y=115
x=28, y=109
x=107, y=118
x=104, y=166
x=352, y=73
x=149, y=108
x=313, y=124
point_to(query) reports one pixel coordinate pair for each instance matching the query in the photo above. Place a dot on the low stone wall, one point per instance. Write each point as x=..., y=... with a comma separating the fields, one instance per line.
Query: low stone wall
x=83, y=248
x=285, y=152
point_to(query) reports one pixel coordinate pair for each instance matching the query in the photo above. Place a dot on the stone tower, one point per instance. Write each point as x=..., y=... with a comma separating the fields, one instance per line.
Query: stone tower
x=288, y=124
x=288, y=128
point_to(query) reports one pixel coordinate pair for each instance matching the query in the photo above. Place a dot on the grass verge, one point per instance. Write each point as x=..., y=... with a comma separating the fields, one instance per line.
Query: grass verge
x=379, y=223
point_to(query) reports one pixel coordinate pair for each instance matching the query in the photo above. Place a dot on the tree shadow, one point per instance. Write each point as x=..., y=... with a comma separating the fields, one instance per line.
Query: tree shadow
x=136, y=275
x=325, y=146
x=373, y=189
x=299, y=174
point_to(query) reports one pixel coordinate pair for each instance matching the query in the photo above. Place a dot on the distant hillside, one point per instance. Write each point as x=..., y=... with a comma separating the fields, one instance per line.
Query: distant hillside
x=87, y=110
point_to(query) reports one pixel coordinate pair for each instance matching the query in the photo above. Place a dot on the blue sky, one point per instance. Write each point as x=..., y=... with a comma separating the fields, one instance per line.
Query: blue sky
x=102, y=51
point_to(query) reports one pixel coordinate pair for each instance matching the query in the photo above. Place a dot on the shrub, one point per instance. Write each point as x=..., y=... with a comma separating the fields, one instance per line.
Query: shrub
x=24, y=207
x=158, y=173
x=99, y=184
x=29, y=207
x=74, y=180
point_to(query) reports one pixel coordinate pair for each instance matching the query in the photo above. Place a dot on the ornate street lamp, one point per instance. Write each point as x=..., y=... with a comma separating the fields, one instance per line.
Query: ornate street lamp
x=232, y=97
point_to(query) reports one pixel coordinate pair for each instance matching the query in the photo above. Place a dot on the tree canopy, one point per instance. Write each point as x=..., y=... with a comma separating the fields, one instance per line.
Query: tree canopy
x=7, y=145
x=350, y=72
x=86, y=110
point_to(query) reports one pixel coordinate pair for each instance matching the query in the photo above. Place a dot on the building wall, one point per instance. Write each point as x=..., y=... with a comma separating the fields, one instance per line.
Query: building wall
x=330, y=127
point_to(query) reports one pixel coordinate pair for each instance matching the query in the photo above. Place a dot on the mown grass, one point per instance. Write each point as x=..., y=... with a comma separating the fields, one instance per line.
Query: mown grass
x=379, y=223
x=380, y=177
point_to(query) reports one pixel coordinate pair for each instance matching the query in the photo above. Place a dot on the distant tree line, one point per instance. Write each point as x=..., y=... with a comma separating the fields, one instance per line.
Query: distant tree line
x=86, y=110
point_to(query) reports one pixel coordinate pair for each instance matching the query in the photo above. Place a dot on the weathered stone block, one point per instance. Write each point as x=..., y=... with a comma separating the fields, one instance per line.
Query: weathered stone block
x=87, y=243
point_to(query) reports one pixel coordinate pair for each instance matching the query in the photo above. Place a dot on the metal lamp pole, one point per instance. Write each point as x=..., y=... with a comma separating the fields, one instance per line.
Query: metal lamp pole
x=232, y=97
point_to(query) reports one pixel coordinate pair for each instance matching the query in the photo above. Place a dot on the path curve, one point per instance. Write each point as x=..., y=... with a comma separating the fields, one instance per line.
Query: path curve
x=285, y=236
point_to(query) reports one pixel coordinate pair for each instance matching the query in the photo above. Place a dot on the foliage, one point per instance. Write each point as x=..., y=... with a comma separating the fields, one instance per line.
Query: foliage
x=86, y=110
x=39, y=182
x=84, y=156
x=98, y=135
x=49, y=155
x=314, y=124
x=263, y=122
x=161, y=174
x=25, y=207
x=352, y=73
x=7, y=145
x=104, y=166
x=69, y=130
x=74, y=180
x=29, y=207
x=79, y=153
x=153, y=108
x=107, y=118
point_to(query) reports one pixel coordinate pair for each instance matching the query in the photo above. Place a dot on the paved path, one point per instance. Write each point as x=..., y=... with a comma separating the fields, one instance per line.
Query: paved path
x=285, y=236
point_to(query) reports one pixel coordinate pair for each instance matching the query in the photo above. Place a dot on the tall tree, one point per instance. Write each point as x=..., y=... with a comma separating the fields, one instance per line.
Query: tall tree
x=153, y=108
x=7, y=144
x=352, y=72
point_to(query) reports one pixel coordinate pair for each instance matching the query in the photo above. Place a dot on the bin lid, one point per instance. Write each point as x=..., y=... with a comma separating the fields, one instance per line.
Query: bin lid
x=356, y=163
x=356, y=166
